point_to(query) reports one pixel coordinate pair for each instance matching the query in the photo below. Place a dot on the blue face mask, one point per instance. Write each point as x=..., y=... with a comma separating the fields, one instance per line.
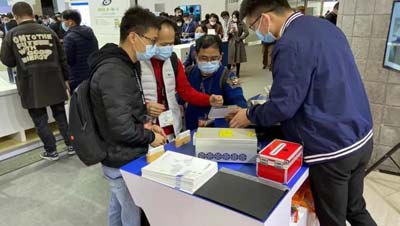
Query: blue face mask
x=198, y=35
x=163, y=52
x=208, y=67
x=148, y=54
x=268, y=38
x=64, y=27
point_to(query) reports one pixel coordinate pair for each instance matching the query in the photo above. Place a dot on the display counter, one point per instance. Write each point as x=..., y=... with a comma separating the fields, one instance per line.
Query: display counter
x=165, y=206
x=14, y=119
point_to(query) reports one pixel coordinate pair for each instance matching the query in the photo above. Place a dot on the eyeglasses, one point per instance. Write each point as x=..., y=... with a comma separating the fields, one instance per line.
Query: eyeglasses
x=258, y=18
x=209, y=59
x=153, y=41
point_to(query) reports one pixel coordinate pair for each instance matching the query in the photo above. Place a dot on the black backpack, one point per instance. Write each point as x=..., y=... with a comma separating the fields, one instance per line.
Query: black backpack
x=86, y=140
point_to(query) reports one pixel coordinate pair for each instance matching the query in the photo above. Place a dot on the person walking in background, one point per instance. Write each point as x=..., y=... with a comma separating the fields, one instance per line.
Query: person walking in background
x=312, y=58
x=332, y=16
x=267, y=49
x=200, y=31
x=42, y=77
x=57, y=26
x=79, y=43
x=119, y=107
x=238, y=31
x=214, y=25
x=9, y=23
x=178, y=35
x=225, y=24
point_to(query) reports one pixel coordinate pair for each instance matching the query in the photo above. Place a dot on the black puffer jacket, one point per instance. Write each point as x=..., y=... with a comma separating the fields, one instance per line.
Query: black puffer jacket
x=118, y=105
x=79, y=43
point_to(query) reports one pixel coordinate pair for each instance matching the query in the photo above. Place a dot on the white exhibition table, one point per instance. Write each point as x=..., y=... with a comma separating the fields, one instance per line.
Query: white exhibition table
x=165, y=206
x=14, y=119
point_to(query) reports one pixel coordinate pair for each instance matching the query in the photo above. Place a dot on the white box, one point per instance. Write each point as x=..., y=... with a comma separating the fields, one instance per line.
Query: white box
x=226, y=145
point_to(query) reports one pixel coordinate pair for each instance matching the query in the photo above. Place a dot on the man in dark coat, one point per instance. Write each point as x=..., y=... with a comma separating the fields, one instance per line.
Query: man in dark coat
x=119, y=107
x=42, y=74
x=57, y=26
x=332, y=16
x=79, y=43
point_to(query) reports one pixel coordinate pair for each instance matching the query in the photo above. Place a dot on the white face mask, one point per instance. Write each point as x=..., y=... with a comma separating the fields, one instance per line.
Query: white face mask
x=179, y=24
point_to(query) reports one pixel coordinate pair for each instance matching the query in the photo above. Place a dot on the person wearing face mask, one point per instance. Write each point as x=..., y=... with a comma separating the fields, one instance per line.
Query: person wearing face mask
x=79, y=43
x=209, y=77
x=225, y=24
x=57, y=26
x=178, y=35
x=319, y=99
x=119, y=108
x=8, y=23
x=238, y=31
x=164, y=76
x=213, y=24
x=189, y=26
x=200, y=31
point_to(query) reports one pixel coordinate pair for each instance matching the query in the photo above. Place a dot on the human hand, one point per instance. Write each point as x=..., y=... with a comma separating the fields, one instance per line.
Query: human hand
x=158, y=140
x=159, y=130
x=240, y=120
x=216, y=100
x=154, y=109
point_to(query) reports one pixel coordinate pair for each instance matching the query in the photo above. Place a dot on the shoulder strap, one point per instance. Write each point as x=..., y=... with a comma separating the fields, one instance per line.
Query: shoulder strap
x=174, y=62
x=188, y=70
x=224, y=78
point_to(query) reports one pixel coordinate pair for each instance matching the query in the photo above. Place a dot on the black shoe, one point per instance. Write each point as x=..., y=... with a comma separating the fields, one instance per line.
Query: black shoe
x=264, y=67
x=53, y=156
x=70, y=150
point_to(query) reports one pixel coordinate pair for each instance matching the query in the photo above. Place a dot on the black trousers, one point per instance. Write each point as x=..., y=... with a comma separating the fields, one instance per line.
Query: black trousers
x=338, y=187
x=40, y=119
x=229, y=66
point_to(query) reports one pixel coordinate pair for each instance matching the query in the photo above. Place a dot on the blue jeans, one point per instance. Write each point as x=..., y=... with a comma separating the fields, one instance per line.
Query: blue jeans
x=122, y=210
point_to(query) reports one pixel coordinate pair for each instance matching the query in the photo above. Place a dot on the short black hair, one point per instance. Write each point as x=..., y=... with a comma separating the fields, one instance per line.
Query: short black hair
x=215, y=16
x=21, y=9
x=236, y=13
x=72, y=15
x=168, y=22
x=9, y=15
x=224, y=13
x=209, y=41
x=138, y=20
x=203, y=27
x=185, y=15
x=336, y=6
x=178, y=8
x=255, y=7
x=164, y=14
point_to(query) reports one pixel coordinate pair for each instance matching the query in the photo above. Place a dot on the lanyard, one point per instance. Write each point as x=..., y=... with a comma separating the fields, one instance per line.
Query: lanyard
x=202, y=87
x=140, y=86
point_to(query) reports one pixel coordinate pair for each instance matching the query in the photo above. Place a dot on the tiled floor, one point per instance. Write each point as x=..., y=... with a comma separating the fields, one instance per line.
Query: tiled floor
x=67, y=193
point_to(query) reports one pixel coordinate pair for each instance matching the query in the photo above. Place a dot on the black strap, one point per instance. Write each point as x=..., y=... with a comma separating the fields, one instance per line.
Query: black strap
x=174, y=62
x=224, y=78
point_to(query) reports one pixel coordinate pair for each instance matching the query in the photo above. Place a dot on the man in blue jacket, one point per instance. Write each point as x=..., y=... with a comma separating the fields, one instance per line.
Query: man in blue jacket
x=318, y=97
x=189, y=27
x=79, y=43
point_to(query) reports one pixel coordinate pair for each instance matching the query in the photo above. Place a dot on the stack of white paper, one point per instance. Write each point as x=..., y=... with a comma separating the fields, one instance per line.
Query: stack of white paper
x=183, y=172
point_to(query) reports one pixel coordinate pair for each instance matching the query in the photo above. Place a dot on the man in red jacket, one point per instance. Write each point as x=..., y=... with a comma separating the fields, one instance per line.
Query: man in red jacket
x=163, y=77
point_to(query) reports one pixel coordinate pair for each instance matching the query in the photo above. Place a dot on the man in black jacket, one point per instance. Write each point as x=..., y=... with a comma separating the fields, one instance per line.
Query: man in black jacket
x=332, y=16
x=57, y=26
x=42, y=74
x=119, y=107
x=79, y=43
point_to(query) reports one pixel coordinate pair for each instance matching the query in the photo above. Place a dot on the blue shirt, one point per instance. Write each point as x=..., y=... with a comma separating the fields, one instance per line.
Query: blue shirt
x=228, y=87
